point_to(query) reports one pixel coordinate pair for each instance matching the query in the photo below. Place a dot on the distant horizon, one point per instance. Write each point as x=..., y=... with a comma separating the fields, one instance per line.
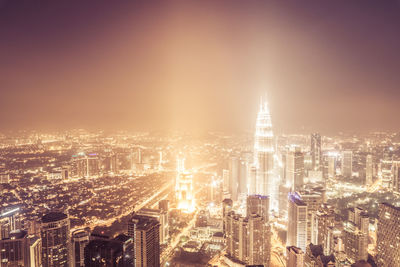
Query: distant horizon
x=200, y=66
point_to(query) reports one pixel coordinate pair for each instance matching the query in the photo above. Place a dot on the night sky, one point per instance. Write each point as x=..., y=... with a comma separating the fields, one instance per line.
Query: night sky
x=325, y=66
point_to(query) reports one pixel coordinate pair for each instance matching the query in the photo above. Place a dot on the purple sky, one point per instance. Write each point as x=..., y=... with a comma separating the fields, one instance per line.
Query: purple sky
x=326, y=66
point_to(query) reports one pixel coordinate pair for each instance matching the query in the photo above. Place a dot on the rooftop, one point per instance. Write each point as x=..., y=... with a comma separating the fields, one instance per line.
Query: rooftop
x=54, y=217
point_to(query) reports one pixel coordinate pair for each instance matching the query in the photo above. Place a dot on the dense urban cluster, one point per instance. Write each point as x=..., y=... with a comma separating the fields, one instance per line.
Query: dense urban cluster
x=175, y=199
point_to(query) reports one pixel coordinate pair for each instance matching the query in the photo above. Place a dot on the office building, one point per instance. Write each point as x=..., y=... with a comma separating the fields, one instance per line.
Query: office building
x=331, y=167
x=297, y=222
x=396, y=177
x=248, y=240
x=35, y=251
x=101, y=252
x=80, y=238
x=323, y=227
x=316, y=152
x=313, y=198
x=314, y=257
x=347, y=164
x=369, y=168
x=355, y=243
x=283, y=200
x=234, y=173
x=14, y=250
x=55, y=228
x=145, y=231
x=162, y=217
x=295, y=169
x=259, y=205
x=294, y=257
x=386, y=165
x=226, y=208
x=388, y=236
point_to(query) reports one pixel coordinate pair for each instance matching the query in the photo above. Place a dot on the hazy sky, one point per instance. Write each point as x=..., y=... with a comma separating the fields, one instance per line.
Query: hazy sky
x=325, y=66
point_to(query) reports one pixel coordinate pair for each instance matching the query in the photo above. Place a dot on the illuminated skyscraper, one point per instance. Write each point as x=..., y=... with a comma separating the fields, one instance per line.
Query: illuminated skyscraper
x=55, y=240
x=368, y=170
x=234, y=177
x=386, y=165
x=316, y=152
x=297, y=222
x=295, y=169
x=266, y=183
x=347, y=163
x=259, y=205
x=184, y=188
x=145, y=232
x=80, y=238
x=162, y=217
x=388, y=242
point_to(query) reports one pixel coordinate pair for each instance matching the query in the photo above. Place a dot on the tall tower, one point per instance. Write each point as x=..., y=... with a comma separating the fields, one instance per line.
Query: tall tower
x=184, y=187
x=297, y=223
x=55, y=240
x=264, y=154
x=295, y=169
x=388, y=244
x=80, y=238
x=146, y=235
x=316, y=152
x=347, y=163
x=368, y=170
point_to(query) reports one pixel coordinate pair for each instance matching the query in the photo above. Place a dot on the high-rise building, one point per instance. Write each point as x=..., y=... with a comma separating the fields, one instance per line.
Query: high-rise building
x=244, y=171
x=295, y=169
x=294, y=257
x=355, y=243
x=248, y=239
x=80, y=238
x=324, y=224
x=313, y=199
x=369, y=168
x=145, y=231
x=316, y=152
x=347, y=163
x=55, y=229
x=388, y=233
x=101, y=252
x=283, y=200
x=35, y=251
x=162, y=217
x=184, y=188
x=266, y=182
x=225, y=178
x=9, y=221
x=396, y=176
x=297, y=222
x=331, y=167
x=226, y=208
x=234, y=172
x=386, y=166
x=258, y=241
x=14, y=250
x=314, y=256
x=259, y=205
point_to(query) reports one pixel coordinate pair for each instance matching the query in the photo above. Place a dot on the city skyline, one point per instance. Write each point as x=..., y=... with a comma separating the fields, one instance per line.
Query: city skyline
x=181, y=66
x=199, y=133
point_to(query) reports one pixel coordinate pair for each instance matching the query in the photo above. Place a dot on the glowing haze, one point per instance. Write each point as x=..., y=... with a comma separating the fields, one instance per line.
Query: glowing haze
x=199, y=65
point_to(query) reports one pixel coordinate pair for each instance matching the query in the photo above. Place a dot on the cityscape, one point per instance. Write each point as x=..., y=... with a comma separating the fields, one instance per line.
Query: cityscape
x=155, y=166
